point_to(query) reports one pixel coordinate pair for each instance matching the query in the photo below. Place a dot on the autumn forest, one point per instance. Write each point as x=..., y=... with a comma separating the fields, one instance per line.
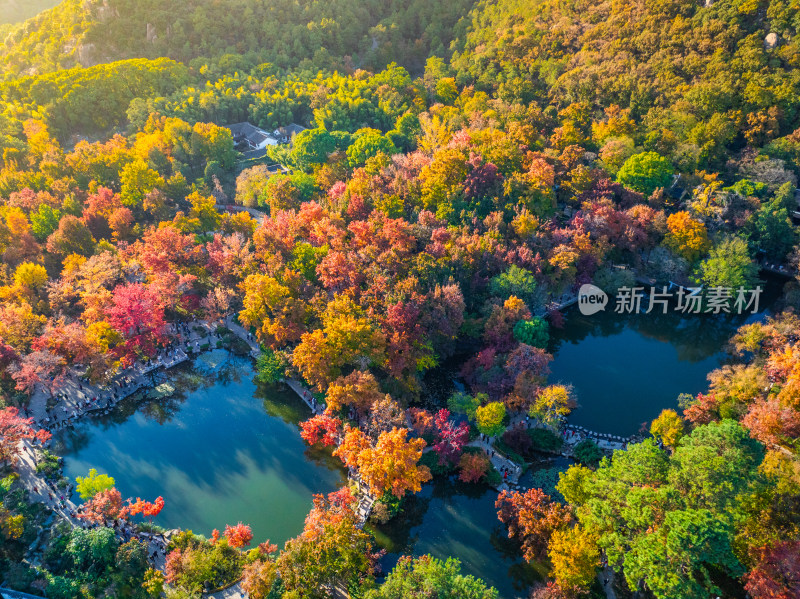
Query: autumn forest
x=389, y=211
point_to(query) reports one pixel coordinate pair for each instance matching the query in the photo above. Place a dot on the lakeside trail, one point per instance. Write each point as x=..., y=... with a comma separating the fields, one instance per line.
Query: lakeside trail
x=76, y=398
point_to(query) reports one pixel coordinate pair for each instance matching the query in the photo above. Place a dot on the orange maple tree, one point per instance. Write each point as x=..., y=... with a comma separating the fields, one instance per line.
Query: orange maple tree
x=105, y=505
x=390, y=465
x=358, y=390
x=531, y=518
x=238, y=535
x=148, y=509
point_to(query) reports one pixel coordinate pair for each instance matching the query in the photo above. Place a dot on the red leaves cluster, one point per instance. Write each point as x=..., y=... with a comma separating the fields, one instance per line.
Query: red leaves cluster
x=238, y=535
x=703, y=411
x=146, y=508
x=266, y=547
x=496, y=373
x=138, y=314
x=531, y=518
x=108, y=505
x=13, y=429
x=553, y=590
x=321, y=429
x=771, y=422
x=37, y=368
x=451, y=438
x=777, y=573
x=173, y=566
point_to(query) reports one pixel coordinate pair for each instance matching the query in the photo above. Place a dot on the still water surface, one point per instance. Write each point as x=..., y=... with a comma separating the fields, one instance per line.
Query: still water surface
x=219, y=452
x=626, y=368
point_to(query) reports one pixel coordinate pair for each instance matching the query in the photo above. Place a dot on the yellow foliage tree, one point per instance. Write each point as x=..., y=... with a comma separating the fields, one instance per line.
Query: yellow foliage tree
x=574, y=556
x=552, y=404
x=274, y=309
x=19, y=326
x=348, y=336
x=667, y=428
x=489, y=418
x=686, y=236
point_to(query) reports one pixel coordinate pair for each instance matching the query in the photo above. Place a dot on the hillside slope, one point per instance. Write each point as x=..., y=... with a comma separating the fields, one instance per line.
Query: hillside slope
x=285, y=32
x=16, y=11
x=720, y=74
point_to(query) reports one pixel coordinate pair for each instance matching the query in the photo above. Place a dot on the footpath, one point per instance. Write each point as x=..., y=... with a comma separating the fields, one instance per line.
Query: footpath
x=77, y=398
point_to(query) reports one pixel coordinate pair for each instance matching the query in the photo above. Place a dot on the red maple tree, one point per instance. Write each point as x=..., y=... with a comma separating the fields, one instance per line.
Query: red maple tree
x=137, y=313
x=321, y=429
x=13, y=429
x=238, y=535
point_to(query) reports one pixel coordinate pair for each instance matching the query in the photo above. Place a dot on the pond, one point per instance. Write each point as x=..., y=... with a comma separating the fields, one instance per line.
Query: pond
x=451, y=518
x=626, y=368
x=218, y=451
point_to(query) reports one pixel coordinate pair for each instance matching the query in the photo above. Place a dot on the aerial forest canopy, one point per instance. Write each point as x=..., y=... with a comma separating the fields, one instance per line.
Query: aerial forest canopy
x=435, y=182
x=322, y=34
x=699, y=79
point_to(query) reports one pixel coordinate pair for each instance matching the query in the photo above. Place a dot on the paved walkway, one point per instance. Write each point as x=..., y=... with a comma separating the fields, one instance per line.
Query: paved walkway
x=59, y=501
x=500, y=462
x=606, y=578
x=76, y=398
x=245, y=335
x=232, y=592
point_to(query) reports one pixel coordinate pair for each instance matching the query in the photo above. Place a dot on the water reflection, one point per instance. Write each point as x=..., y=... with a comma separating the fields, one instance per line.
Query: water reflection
x=450, y=518
x=626, y=368
x=212, y=450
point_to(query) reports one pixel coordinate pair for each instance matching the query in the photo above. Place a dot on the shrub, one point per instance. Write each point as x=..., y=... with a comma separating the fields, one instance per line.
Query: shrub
x=533, y=332
x=587, y=453
x=493, y=478
x=545, y=440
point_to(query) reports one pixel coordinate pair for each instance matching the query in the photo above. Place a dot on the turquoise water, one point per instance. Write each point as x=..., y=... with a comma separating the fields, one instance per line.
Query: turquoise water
x=220, y=452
